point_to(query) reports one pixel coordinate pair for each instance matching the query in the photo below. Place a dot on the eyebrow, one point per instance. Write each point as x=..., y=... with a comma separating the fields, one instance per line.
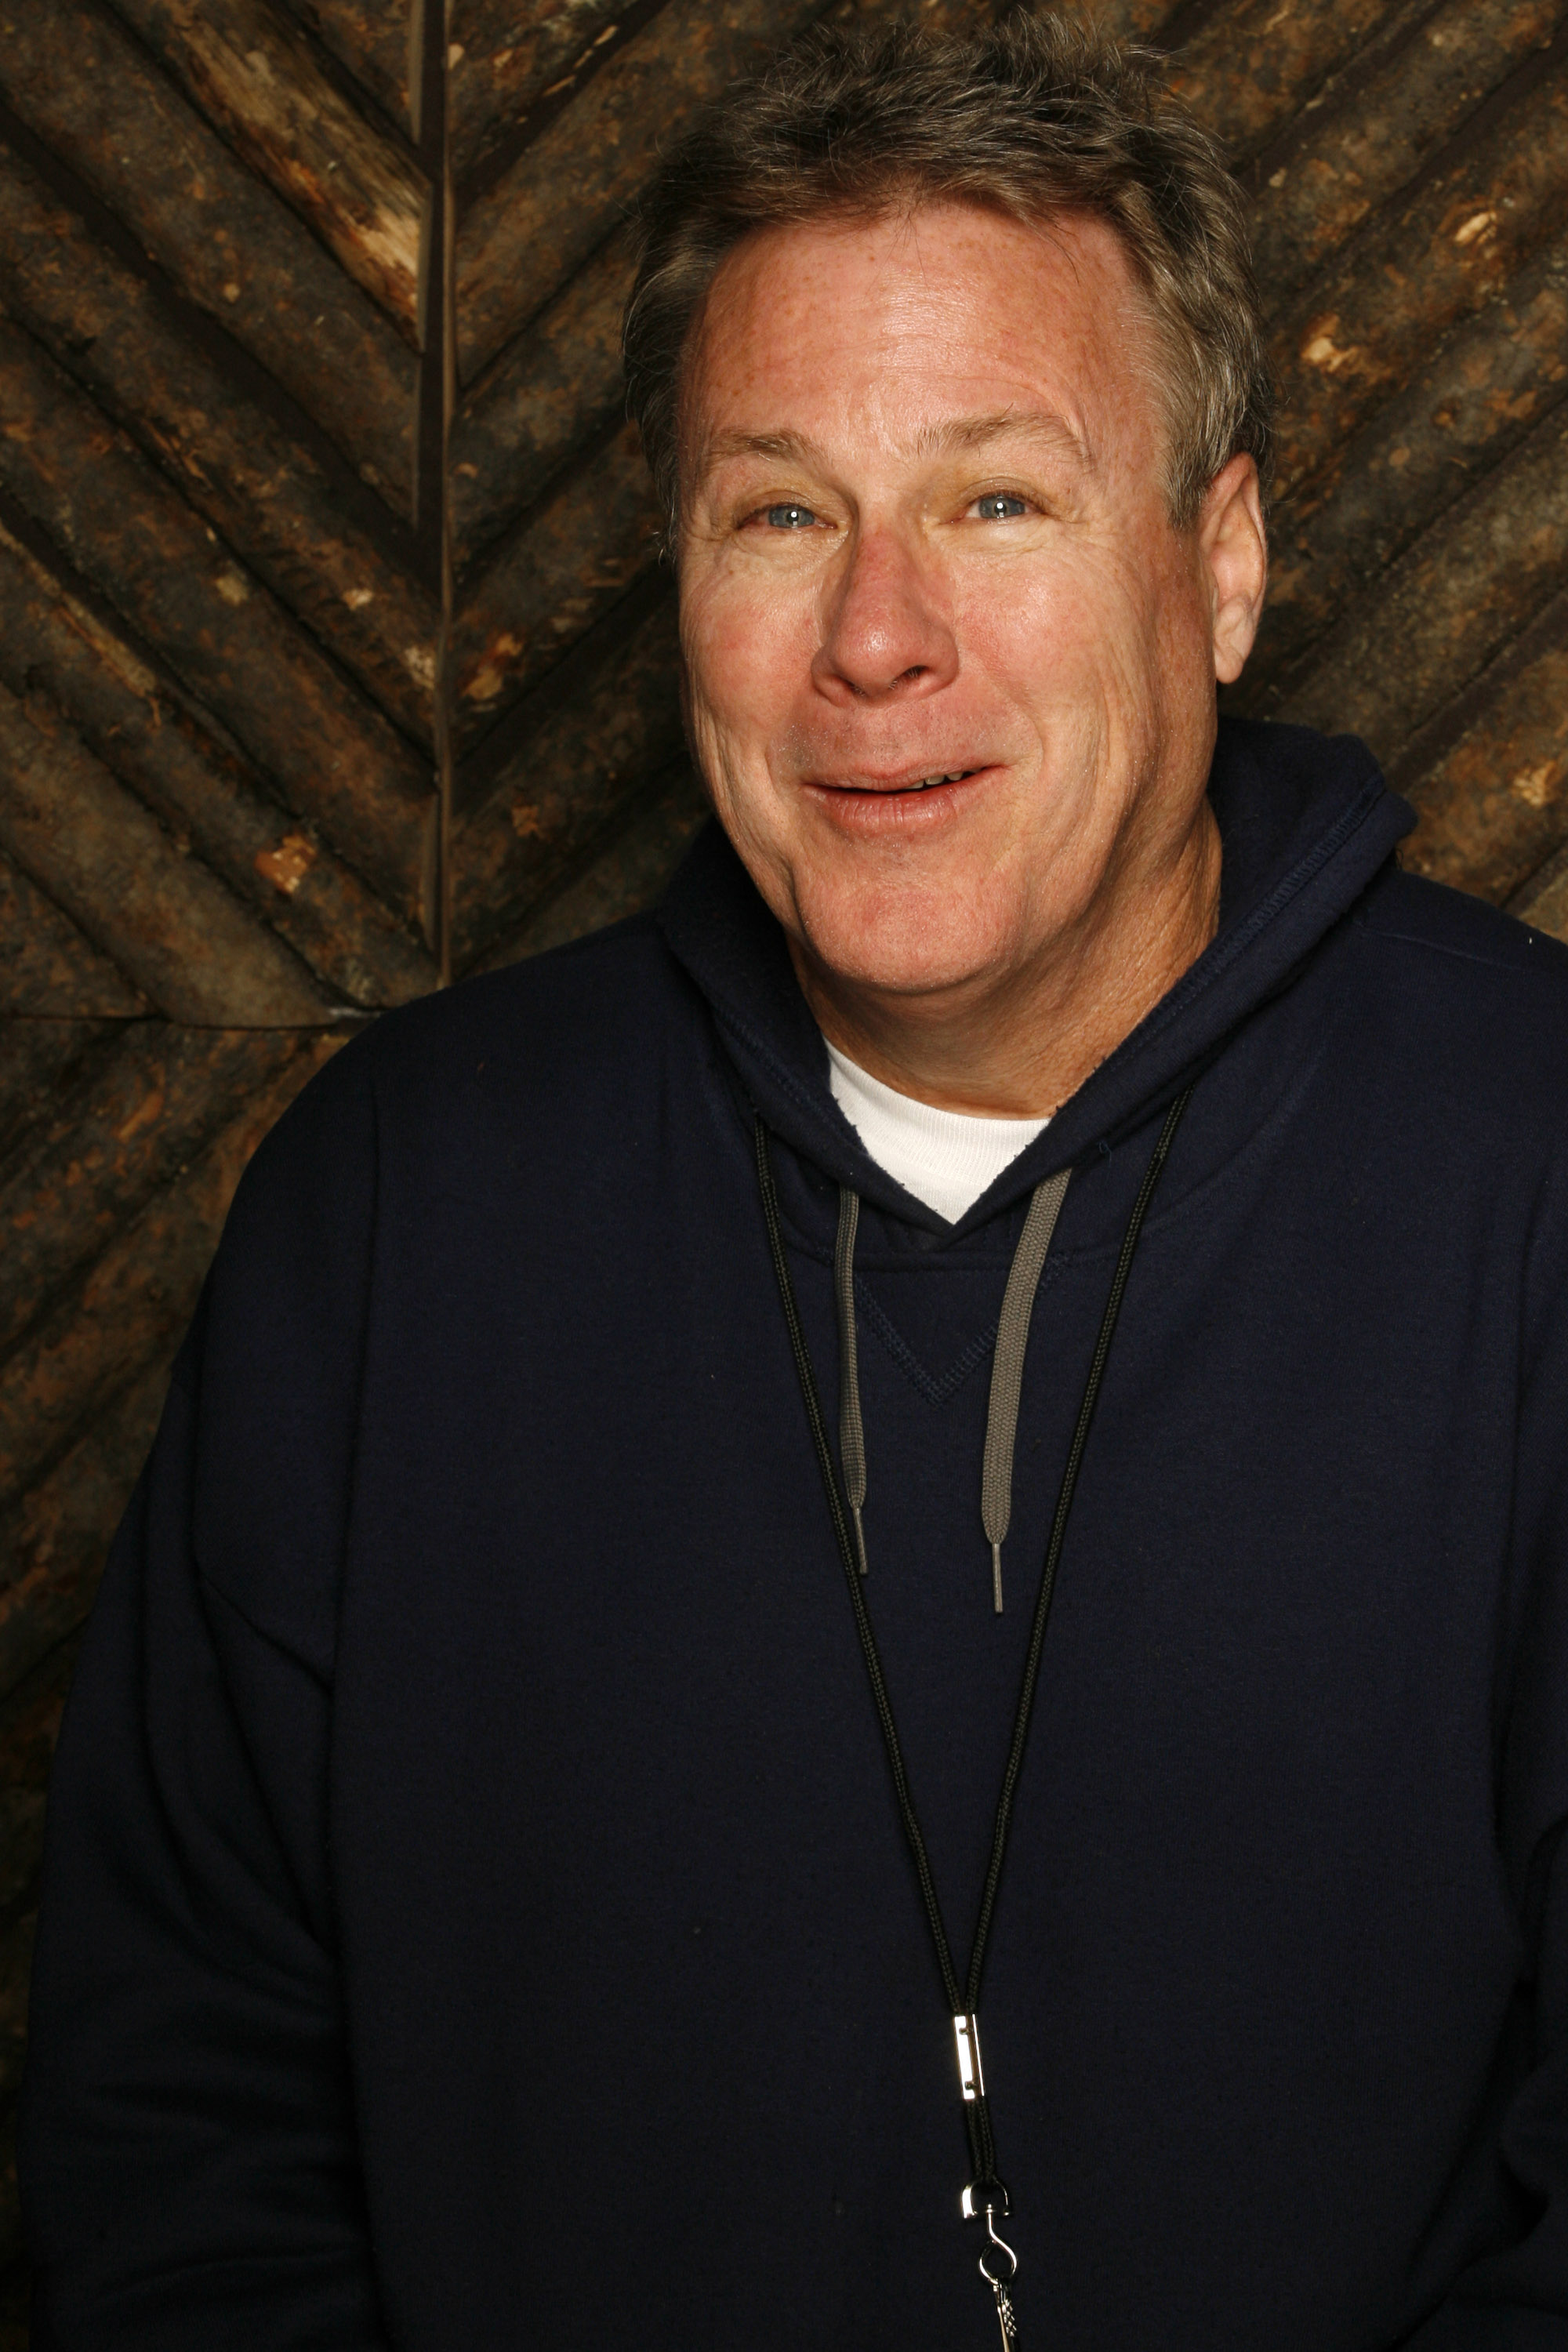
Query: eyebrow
x=956, y=434
x=1006, y=425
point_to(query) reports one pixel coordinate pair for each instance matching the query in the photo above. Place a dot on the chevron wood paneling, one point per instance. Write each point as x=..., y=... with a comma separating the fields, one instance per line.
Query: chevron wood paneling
x=254, y=429
x=219, y=648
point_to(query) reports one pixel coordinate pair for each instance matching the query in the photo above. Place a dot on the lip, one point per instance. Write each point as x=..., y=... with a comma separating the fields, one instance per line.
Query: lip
x=871, y=806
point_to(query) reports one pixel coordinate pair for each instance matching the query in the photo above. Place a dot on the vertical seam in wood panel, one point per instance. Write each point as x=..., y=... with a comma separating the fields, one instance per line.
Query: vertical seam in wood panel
x=444, y=674
x=437, y=384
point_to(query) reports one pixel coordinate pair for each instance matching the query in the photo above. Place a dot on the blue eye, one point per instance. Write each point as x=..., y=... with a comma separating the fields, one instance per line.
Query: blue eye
x=790, y=518
x=1001, y=507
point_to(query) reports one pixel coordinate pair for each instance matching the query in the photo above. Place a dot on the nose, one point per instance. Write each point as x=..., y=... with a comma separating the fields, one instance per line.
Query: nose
x=884, y=634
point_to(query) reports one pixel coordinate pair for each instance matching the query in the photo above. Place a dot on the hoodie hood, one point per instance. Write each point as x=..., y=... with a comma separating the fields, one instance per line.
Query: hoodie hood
x=1306, y=822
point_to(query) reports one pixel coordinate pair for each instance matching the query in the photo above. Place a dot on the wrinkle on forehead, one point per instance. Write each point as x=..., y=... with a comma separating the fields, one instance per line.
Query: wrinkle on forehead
x=943, y=438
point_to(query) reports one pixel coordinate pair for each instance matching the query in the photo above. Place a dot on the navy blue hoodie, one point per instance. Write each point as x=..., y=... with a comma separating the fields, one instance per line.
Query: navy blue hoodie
x=476, y=1913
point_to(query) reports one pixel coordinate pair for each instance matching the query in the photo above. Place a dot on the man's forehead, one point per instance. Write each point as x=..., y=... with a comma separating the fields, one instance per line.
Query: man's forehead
x=928, y=334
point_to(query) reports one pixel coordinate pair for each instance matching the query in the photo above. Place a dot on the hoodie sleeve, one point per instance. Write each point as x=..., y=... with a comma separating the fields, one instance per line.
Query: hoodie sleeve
x=188, y=2159
x=1512, y=2294
x=1516, y=2300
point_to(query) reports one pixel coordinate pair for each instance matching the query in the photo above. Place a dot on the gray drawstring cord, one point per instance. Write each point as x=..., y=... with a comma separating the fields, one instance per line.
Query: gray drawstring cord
x=851, y=1433
x=1007, y=1368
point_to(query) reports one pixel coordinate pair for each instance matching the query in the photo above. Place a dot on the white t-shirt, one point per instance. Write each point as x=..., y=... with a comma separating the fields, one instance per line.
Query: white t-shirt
x=945, y=1157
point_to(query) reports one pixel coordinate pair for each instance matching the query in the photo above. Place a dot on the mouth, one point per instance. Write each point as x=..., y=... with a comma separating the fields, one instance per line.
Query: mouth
x=880, y=788
x=899, y=804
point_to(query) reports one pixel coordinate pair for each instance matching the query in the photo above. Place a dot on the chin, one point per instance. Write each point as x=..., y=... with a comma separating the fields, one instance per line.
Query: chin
x=912, y=946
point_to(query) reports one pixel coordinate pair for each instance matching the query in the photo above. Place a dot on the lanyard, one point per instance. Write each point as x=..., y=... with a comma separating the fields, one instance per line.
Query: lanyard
x=985, y=2197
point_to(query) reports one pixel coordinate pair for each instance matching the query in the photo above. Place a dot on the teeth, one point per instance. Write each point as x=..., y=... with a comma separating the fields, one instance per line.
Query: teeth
x=956, y=778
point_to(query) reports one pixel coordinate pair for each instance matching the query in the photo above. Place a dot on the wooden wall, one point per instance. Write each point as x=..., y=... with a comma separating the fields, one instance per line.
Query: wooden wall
x=334, y=655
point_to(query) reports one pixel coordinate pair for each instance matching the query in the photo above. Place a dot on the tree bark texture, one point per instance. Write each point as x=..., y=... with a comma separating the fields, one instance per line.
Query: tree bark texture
x=338, y=656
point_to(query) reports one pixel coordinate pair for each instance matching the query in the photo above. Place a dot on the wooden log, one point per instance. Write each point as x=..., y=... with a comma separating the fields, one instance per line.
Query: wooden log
x=505, y=56
x=30, y=1721
x=30, y=1728
x=52, y=971
x=1361, y=330
x=129, y=1310
x=133, y=1117
x=329, y=756
x=268, y=495
x=1382, y=123
x=13, y=2241
x=1253, y=66
x=379, y=41
x=513, y=57
x=55, y=1539
x=21, y=1844
x=1461, y=596
x=577, y=556
x=15, y=1969
x=542, y=219
x=550, y=392
x=84, y=87
x=1133, y=20
x=1488, y=384
x=37, y=1059
x=256, y=77
x=1542, y=901
x=605, y=727
x=630, y=873
x=151, y=736
x=162, y=916
x=1494, y=807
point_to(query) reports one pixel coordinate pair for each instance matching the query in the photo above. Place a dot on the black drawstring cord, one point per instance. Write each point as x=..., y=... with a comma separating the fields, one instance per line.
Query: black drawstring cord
x=916, y=1844
x=977, y=2111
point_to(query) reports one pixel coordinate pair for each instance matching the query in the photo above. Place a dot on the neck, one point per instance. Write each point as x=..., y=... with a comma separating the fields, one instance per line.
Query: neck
x=1017, y=1044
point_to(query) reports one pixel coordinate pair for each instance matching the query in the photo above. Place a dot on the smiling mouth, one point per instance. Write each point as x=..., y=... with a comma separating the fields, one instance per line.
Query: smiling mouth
x=899, y=808
x=916, y=784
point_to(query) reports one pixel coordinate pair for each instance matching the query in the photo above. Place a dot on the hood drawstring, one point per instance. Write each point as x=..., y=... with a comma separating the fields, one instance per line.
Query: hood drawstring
x=851, y=1433
x=1007, y=1368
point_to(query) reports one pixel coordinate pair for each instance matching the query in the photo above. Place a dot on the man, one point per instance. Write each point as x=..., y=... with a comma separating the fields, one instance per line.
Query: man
x=964, y=1424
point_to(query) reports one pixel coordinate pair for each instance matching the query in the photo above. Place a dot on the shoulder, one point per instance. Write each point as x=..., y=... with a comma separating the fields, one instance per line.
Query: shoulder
x=561, y=1039
x=1472, y=1006
x=1406, y=912
x=608, y=994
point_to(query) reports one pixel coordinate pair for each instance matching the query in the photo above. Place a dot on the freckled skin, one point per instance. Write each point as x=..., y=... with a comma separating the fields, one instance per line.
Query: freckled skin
x=924, y=531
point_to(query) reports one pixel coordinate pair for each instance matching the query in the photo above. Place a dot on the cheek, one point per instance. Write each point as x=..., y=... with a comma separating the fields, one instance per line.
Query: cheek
x=1064, y=637
x=743, y=644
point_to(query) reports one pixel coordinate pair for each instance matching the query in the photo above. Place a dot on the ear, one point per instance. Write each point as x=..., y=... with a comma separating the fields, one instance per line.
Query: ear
x=1233, y=550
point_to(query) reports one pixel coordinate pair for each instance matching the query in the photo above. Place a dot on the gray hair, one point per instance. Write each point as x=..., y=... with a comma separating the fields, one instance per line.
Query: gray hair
x=1035, y=119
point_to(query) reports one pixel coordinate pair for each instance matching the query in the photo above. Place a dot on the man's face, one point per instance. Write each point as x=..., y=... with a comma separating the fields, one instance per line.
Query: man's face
x=926, y=535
